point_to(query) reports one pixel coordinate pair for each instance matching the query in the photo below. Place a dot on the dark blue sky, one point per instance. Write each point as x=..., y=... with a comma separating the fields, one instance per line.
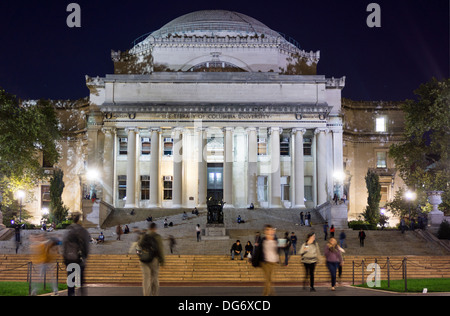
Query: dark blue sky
x=40, y=57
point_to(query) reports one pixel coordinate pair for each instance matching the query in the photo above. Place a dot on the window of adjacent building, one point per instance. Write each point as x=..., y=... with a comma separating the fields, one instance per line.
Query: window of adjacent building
x=46, y=163
x=284, y=145
x=123, y=145
x=145, y=146
x=307, y=145
x=145, y=187
x=167, y=188
x=168, y=146
x=262, y=146
x=45, y=197
x=262, y=187
x=384, y=195
x=285, y=188
x=380, y=124
x=122, y=183
x=308, y=188
x=381, y=159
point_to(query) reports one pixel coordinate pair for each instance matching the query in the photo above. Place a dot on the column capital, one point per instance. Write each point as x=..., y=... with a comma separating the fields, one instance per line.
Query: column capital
x=228, y=129
x=320, y=130
x=177, y=131
x=132, y=129
x=154, y=129
x=275, y=129
x=296, y=130
x=250, y=129
x=109, y=129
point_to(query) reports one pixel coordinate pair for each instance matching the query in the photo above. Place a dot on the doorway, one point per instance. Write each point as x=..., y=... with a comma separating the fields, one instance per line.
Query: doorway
x=215, y=182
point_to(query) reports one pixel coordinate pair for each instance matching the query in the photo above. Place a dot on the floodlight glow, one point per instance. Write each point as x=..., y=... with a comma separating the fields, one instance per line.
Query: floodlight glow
x=410, y=195
x=92, y=174
x=20, y=194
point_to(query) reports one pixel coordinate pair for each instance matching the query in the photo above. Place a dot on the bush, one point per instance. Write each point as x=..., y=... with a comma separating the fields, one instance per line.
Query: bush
x=444, y=230
x=357, y=225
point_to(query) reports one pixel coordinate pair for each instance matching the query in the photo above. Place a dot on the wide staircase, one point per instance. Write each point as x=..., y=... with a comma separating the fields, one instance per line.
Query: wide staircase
x=219, y=269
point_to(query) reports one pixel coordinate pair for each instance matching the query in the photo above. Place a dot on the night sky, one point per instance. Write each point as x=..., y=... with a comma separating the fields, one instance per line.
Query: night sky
x=41, y=57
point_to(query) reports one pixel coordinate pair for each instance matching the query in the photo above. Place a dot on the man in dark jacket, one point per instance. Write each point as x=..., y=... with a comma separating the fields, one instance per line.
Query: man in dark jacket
x=75, y=250
x=236, y=249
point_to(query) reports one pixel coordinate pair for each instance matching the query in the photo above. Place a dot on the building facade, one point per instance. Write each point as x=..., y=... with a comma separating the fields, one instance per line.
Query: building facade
x=214, y=105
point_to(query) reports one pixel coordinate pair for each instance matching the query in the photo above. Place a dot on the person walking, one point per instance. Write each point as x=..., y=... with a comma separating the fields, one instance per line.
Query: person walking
x=294, y=243
x=302, y=222
x=334, y=259
x=151, y=246
x=361, y=236
x=286, y=248
x=342, y=237
x=199, y=231
x=76, y=250
x=266, y=256
x=172, y=243
x=325, y=230
x=119, y=231
x=332, y=231
x=310, y=254
x=45, y=252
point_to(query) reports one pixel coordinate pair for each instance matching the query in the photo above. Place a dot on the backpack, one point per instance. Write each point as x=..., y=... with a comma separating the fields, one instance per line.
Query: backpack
x=147, y=248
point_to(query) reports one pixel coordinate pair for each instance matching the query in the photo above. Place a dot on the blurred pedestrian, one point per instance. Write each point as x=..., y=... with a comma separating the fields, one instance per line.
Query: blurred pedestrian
x=361, y=236
x=76, y=250
x=119, y=231
x=310, y=254
x=286, y=248
x=325, y=230
x=172, y=243
x=199, y=232
x=294, y=243
x=45, y=251
x=342, y=237
x=151, y=247
x=302, y=221
x=334, y=259
x=266, y=256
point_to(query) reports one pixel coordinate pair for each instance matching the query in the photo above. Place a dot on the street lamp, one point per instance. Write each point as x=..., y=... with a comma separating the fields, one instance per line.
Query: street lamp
x=410, y=196
x=20, y=194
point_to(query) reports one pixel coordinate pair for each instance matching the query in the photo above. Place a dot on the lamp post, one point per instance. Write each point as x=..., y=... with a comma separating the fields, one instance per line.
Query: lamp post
x=410, y=196
x=20, y=195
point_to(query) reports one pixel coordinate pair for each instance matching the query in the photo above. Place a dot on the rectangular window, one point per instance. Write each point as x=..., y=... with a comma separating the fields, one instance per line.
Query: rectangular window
x=262, y=186
x=381, y=159
x=380, y=124
x=123, y=145
x=284, y=145
x=168, y=146
x=262, y=146
x=145, y=187
x=308, y=189
x=145, y=146
x=384, y=195
x=122, y=183
x=45, y=197
x=167, y=194
x=285, y=188
x=307, y=144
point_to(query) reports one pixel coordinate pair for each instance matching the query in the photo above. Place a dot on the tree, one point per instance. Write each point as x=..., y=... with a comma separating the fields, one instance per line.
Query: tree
x=27, y=131
x=372, y=211
x=423, y=158
x=58, y=211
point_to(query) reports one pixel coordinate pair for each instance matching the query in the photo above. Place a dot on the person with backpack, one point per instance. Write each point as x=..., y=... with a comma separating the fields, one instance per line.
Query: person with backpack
x=310, y=253
x=76, y=250
x=151, y=255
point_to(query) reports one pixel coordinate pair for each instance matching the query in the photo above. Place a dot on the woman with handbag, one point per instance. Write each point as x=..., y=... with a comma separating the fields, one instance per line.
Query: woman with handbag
x=310, y=253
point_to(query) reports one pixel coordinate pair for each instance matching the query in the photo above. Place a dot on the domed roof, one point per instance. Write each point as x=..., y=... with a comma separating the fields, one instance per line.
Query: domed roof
x=214, y=22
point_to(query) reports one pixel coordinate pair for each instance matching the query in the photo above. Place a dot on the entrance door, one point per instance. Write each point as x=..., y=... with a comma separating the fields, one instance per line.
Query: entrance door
x=215, y=182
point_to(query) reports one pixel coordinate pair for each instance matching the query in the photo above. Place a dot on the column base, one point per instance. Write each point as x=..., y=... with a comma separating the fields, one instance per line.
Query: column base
x=130, y=206
x=176, y=205
x=302, y=206
x=228, y=205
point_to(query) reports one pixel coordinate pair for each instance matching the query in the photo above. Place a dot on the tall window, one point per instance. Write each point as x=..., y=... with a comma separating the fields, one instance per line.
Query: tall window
x=167, y=194
x=285, y=188
x=45, y=197
x=284, y=145
x=145, y=146
x=307, y=144
x=380, y=124
x=308, y=188
x=381, y=159
x=262, y=146
x=262, y=186
x=123, y=145
x=122, y=182
x=168, y=146
x=145, y=187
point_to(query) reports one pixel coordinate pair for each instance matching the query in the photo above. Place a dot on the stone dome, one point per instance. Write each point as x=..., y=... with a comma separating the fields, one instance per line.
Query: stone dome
x=214, y=23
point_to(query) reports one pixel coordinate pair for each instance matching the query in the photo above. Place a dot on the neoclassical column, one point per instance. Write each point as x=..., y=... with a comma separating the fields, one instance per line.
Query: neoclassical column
x=321, y=158
x=177, y=187
x=338, y=160
x=155, y=134
x=131, y=167
x=252, y=167
x=108, y=165
x=299, y=173
x=202, y=166
x=275, y=201
x=228, y=167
